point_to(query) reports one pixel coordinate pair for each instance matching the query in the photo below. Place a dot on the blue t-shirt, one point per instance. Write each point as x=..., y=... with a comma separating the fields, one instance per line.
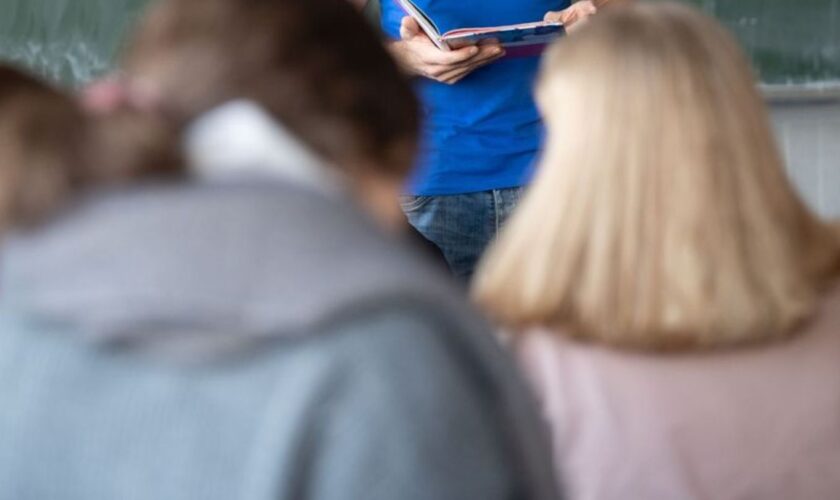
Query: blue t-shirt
x=483, y=132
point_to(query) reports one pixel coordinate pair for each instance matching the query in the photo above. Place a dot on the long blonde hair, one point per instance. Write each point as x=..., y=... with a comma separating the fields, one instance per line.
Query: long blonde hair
x=661, y=216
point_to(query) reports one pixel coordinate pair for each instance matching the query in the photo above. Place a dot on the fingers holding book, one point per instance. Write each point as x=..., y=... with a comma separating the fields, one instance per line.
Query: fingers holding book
x=419, y=55
x=575, y=16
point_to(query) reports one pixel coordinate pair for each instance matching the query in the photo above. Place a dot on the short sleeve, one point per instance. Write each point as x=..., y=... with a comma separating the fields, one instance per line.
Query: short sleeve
x=391, y=15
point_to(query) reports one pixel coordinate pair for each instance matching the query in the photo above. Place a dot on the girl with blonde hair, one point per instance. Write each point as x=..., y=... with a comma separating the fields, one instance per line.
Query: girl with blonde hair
x=670, y=295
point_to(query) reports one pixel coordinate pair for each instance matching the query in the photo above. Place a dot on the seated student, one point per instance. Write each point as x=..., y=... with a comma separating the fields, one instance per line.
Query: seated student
x=674, y=301
x=250, y=335
x=367, y=131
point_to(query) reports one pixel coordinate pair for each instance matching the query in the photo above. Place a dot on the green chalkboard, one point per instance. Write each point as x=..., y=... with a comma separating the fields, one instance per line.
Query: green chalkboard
x=72, y=41
x=791, y=41
x=69, y=41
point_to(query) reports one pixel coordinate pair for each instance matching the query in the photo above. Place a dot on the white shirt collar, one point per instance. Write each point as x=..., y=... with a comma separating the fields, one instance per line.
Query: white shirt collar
x=240, y=138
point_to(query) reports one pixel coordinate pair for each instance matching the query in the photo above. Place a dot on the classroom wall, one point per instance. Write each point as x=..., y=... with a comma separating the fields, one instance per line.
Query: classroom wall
x=809, y=136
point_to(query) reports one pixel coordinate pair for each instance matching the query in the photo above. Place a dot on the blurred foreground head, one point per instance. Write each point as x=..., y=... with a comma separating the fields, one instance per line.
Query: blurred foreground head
x=42, y=147
x=314, y=65
x=661, y=216
x=51, y=150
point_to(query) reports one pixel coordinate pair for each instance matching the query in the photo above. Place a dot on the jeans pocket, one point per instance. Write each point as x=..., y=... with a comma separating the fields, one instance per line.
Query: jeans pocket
x=411, y=204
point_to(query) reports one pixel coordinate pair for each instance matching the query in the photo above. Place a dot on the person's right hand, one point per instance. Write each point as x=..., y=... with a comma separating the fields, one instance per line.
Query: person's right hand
x=419, y=55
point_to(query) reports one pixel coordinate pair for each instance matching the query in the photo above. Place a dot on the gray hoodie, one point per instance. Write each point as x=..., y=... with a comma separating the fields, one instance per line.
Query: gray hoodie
x=248, y=340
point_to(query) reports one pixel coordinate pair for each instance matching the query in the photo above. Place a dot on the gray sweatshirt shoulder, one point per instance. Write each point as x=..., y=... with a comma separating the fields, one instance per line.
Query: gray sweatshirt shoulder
x=398, y=408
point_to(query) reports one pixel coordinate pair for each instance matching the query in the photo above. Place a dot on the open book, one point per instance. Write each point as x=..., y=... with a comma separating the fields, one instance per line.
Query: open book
x=527, y=35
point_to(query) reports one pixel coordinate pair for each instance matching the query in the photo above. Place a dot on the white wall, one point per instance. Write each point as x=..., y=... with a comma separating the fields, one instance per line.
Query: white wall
x=809, y=135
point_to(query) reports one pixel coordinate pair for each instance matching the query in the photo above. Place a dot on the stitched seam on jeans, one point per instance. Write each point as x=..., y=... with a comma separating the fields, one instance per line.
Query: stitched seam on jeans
x=416, y=203
x=497, y=208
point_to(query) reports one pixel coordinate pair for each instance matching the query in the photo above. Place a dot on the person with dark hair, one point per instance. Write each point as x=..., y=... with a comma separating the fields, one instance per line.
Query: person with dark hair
x=41, y=148
x=250, y=329
x=359, y=117
x=50, y=148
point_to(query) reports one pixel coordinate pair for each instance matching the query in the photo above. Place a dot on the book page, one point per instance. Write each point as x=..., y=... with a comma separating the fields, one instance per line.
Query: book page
x=426, y=23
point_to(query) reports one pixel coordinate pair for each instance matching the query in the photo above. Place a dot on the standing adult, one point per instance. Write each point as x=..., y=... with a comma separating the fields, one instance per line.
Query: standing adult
x=482, y=130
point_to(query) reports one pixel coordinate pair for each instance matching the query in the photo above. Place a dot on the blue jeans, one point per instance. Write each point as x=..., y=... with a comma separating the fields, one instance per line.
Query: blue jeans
x=462, y=225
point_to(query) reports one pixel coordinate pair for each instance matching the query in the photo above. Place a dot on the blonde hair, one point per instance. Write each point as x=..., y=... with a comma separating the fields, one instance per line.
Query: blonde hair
x=661, y=216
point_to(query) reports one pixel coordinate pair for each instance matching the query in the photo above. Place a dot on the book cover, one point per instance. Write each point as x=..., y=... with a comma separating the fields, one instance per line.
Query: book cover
x=524, y=38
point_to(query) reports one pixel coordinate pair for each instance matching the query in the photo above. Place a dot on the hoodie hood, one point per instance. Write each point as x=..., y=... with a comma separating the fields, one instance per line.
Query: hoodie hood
x=240, y=138
x=265, y=241
x=234, y=261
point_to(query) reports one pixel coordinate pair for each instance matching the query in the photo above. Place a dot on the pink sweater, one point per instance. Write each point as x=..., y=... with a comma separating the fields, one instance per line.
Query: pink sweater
x=759, y=423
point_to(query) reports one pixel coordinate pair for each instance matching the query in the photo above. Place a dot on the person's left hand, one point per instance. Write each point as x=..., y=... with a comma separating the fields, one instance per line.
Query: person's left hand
x=575, y=16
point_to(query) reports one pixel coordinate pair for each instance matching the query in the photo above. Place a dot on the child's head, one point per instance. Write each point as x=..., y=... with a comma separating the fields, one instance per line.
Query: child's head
x=129, y=139
x=43, y=137
x=314, y=65
x=661, y=215
x=51, y=149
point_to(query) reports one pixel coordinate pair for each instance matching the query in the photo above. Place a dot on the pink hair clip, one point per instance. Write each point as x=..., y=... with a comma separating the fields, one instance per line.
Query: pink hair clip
x=112, y=93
